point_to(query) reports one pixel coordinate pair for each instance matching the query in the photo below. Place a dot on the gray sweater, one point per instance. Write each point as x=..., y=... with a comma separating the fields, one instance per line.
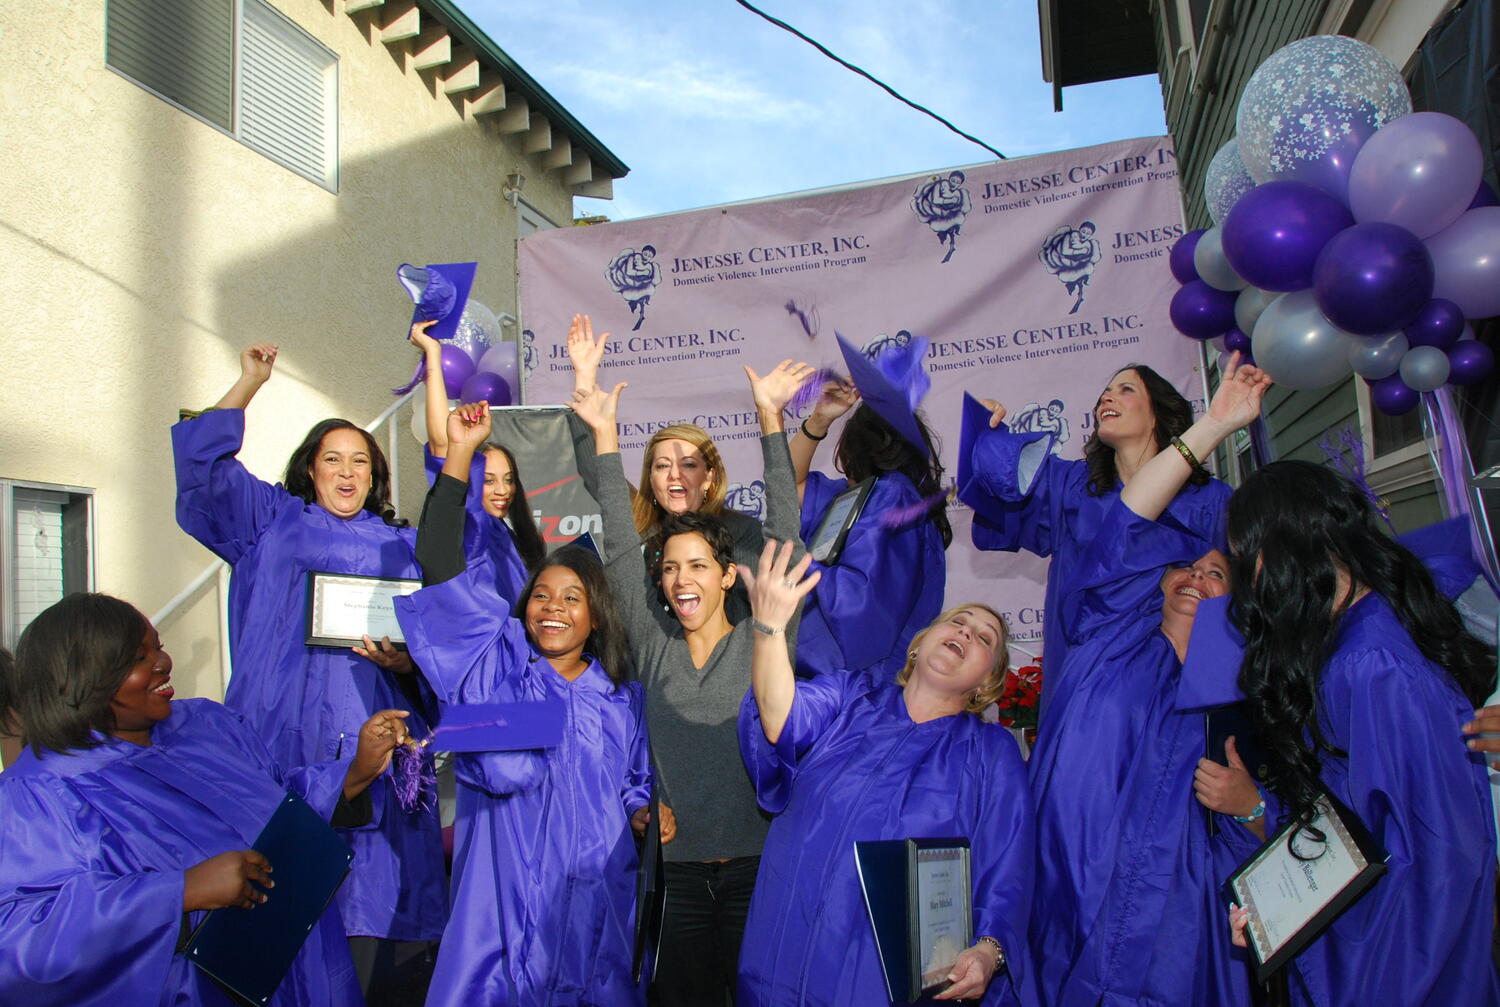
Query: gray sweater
x=693, y=712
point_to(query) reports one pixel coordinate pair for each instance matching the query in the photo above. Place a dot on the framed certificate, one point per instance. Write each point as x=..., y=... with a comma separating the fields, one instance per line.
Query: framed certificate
x=828, y=541
x=917, y=892
x=1295, y=886
x=344, y=607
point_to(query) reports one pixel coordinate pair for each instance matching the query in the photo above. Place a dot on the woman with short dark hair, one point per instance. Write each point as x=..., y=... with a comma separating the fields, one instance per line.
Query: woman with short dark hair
x=130, y=815
x=331, y=515
x=1358, y=673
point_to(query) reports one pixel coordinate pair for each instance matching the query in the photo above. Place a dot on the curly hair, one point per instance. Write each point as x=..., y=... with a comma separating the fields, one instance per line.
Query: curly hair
x=643, y=506
x=606, y=641
x=1173, y=415
x=994, y=684
x=869, y=446
x=299, y=482
x=1293, y=526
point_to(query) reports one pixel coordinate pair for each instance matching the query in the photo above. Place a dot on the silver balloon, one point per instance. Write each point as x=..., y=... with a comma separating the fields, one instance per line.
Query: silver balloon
x=1225, y=181
x=1300, y=348
x=1311, y=104
x=478, y=330
x=1248, y=306
x=1424, y=368
x=1377, y=357
x=1213, y=268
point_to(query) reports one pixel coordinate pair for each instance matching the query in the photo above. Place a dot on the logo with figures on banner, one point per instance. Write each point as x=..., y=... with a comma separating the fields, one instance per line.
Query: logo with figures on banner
x=530, y=358
x=942, y=203
x=875, y=347
x=634, y=275
x=1035, y=418
x=1070, y=254
x=747, y=499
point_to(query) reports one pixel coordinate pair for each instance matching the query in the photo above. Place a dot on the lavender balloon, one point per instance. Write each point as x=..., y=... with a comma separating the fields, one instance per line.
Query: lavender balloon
x=1307, y=109
x=1299, y=347
x=1418, y=172
x=1469, y=362
x=1273, y=235
x=502, y=359
x=1248, y=306
x=487, y=386
x=1424, y=369
x=1181, y=258
x=1439, y=324
x=1213, y=269
x=1372, y=278
x=1225, y=181
x=1201, y=311
x=1392, y=397
x=1466, y=259
x=457, y=368
x=1375, y=357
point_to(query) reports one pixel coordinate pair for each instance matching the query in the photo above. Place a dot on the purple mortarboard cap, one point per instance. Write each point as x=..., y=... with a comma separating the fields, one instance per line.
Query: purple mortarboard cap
x=1447, y=552
x=1211, y=672
x=892, y=384
x=500, y=727
x=438, y=292
x=587, y=541
x=974, y=420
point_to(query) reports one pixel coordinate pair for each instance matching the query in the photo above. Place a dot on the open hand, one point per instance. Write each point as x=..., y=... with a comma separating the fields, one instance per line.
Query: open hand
x=596, y=407
x=776, y=389
x=1237, y=401
x=223, y=881
x=775, y=590
x=585, y=352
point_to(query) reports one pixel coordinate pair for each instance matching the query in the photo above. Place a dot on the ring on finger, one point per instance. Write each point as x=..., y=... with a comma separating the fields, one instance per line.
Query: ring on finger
x=788, y=582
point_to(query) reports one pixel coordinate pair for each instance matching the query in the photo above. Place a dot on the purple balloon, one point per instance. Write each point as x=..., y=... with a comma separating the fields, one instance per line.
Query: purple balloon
x=1235, y=339
x=1201, y=311
x=487, y=386
x=1181, y=258
x=1466, y=259
x=1372, y=278
x=1469, y=362
x=1439, y=324
x=1392, y=396
x=457, y=367
x=1273, y=235
x=1484, y=196
x=1414, y=172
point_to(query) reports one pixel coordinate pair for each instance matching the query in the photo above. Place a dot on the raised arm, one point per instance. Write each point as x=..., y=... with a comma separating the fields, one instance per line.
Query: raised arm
x=776, y=592
x=585, y=353
x=440, y=535
x=1234, y=406
x=837, y=398
x=774, y=391
x=437, y=388
x=256, y=361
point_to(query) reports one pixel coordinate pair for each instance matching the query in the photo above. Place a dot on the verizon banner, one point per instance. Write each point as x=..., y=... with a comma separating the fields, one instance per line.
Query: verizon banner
x=1034, y=279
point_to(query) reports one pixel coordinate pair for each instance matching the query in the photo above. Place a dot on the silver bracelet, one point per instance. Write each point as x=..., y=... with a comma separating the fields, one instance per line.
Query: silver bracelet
x=761, y=627
x=999, y=951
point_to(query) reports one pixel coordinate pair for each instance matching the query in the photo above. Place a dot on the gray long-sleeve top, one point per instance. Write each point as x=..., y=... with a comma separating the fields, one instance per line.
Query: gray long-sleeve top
x=693, y=712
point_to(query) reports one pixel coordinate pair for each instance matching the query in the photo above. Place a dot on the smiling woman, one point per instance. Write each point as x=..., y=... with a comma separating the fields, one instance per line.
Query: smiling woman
x=331, y=515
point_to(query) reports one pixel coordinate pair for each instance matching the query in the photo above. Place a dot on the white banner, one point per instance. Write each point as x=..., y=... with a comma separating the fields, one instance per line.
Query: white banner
x=1034, y=279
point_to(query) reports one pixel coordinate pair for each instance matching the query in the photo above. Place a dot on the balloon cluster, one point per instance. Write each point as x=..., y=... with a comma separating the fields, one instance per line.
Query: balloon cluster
x=1350, y=233
x=478, y=363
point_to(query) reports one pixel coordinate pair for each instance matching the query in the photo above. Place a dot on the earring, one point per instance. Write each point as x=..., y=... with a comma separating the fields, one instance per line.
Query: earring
x=911, y=655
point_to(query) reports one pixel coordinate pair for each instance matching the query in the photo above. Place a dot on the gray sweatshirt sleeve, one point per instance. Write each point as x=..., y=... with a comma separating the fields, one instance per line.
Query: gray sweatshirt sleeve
x=783, y=510
x=624, y=565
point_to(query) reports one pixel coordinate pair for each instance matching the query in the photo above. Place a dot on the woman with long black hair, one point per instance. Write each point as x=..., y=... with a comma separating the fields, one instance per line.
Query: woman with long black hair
x=1358, y=674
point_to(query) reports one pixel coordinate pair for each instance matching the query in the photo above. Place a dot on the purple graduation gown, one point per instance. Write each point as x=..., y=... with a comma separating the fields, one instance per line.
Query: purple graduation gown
x=495, y=554
x=544, y=858
x=1127, y=908
x=93, y=846
x=1422, y=934
x=885, y=588
x=850, y=765
x=307, y=703
x=1025, y=497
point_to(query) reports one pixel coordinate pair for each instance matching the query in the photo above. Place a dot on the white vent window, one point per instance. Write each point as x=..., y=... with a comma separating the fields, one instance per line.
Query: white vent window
x=46, y=552
x=239, y=65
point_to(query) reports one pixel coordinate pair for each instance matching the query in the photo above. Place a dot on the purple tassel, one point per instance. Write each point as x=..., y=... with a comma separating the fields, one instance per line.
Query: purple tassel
x=417, y=378
x=903, y=517
x=1351, y=442
x=415, y=778
x=812, y=388
x=809, y=319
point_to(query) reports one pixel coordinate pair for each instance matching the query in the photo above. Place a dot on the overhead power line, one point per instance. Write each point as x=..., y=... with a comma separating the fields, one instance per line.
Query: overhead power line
x=867, y=76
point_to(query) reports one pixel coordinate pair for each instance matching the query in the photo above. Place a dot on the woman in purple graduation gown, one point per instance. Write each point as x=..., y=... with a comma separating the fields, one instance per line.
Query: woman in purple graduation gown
x=511, y=545
x=1358, y=674
x=544, y=866
x=1125, y=906
x=888, y=582
x=331, y=515
x=840, y=758
x=1025, y=497
x=130, y=815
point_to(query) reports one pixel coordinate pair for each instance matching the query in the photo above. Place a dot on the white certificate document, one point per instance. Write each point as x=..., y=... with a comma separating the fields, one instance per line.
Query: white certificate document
x=944, y=916
x=342, y=608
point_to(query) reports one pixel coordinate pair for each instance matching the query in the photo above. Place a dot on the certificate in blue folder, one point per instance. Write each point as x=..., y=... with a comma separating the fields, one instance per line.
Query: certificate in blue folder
x=918, y=895
x=250, y=951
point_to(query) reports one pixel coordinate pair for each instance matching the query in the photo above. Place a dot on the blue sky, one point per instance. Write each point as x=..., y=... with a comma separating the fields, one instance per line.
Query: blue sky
x=708, y=103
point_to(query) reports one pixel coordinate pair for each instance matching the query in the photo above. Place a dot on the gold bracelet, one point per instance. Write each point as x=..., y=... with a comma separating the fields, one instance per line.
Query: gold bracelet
x=1186, y=452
